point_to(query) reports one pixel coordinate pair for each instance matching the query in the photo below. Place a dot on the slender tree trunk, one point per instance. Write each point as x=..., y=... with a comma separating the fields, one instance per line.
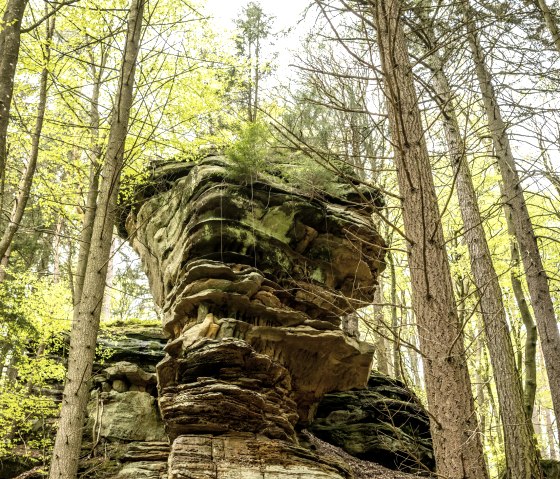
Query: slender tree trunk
x=522, y=461
x=550, y=435
x=10, y=32
x=397, y=369
x=530, y=356
x=480, y=396
x=456, y=437
x=257, y=79
x=380, y=345
x=108, y=296
x=537, y=279
x=537, y=426
x=414, y=367
x=27, y=181
x=56, y=249
x=83, y=335
x=93, y=182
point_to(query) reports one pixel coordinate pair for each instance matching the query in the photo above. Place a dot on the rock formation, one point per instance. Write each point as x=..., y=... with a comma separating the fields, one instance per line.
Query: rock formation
x=253, y=280
x=383, y=423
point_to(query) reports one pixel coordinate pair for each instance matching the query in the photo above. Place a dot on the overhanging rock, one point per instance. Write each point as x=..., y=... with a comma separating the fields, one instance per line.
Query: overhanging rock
x=253, y=280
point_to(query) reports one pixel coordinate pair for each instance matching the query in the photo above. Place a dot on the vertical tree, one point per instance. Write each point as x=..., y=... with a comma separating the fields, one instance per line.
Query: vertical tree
x=457, y=445
x=514, y=199
x=27, y=180
x=254, y=28
x=522, y=459
x=83, y=335
x=10, y=33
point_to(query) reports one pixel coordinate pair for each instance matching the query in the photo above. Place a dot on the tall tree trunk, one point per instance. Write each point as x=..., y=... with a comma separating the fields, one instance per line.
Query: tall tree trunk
x=457, y=446
x=257, y=80
x=27, y=181
x=83, y=335
x=537, y=279
x=9, y=53
x=530, y=356
x=522, y=461
x=93, y=181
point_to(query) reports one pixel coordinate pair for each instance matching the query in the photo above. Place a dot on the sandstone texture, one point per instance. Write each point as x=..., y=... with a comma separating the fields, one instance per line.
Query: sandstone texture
x=125, y=416
x=262, y=264
x=384, y=423
x=258, y=284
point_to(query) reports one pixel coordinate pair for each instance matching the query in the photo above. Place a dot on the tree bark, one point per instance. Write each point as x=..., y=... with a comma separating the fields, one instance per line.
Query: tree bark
x=522, y=460
x=537, y=280
x=10, y=34
x=93, y=182
x=379, y=331
x=83, y=336
x=549, y=21
x=456, y=437
x=27, y=181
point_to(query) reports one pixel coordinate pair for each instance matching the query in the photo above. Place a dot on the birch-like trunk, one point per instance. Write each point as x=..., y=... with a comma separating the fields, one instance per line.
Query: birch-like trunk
x=537, y=279
x=456, y=436
x=83, y=336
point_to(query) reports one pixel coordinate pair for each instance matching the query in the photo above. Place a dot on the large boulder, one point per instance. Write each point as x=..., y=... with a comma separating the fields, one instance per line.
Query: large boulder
x=125, y=416
x=384, y=423
x=263, y=263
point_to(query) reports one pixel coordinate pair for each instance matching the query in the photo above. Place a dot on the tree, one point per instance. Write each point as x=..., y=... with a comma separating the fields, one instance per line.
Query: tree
x=522, y=460
x=83, y=335
x=27, y=180
x=254, y=28
x=457, y=445
x=9, y=53
x=514, y=200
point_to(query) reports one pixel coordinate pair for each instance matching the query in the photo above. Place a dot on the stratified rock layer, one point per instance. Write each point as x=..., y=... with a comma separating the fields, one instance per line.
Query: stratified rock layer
x=384, y=423
x=219, y=386
x=262, y=264
x=253, y=280
x=245, y=456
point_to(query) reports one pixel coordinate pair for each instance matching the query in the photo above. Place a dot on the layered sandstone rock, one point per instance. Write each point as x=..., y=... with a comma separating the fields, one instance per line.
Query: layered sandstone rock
x=384, y=423
x=253, y=279
x=262, y=264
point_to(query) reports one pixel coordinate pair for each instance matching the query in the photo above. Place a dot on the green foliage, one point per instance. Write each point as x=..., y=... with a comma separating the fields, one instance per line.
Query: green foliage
x=311, y=177
x=35, y=316
x=250, y=153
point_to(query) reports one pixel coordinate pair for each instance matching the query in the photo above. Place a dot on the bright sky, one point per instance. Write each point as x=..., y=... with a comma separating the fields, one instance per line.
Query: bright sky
x=287, y=12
